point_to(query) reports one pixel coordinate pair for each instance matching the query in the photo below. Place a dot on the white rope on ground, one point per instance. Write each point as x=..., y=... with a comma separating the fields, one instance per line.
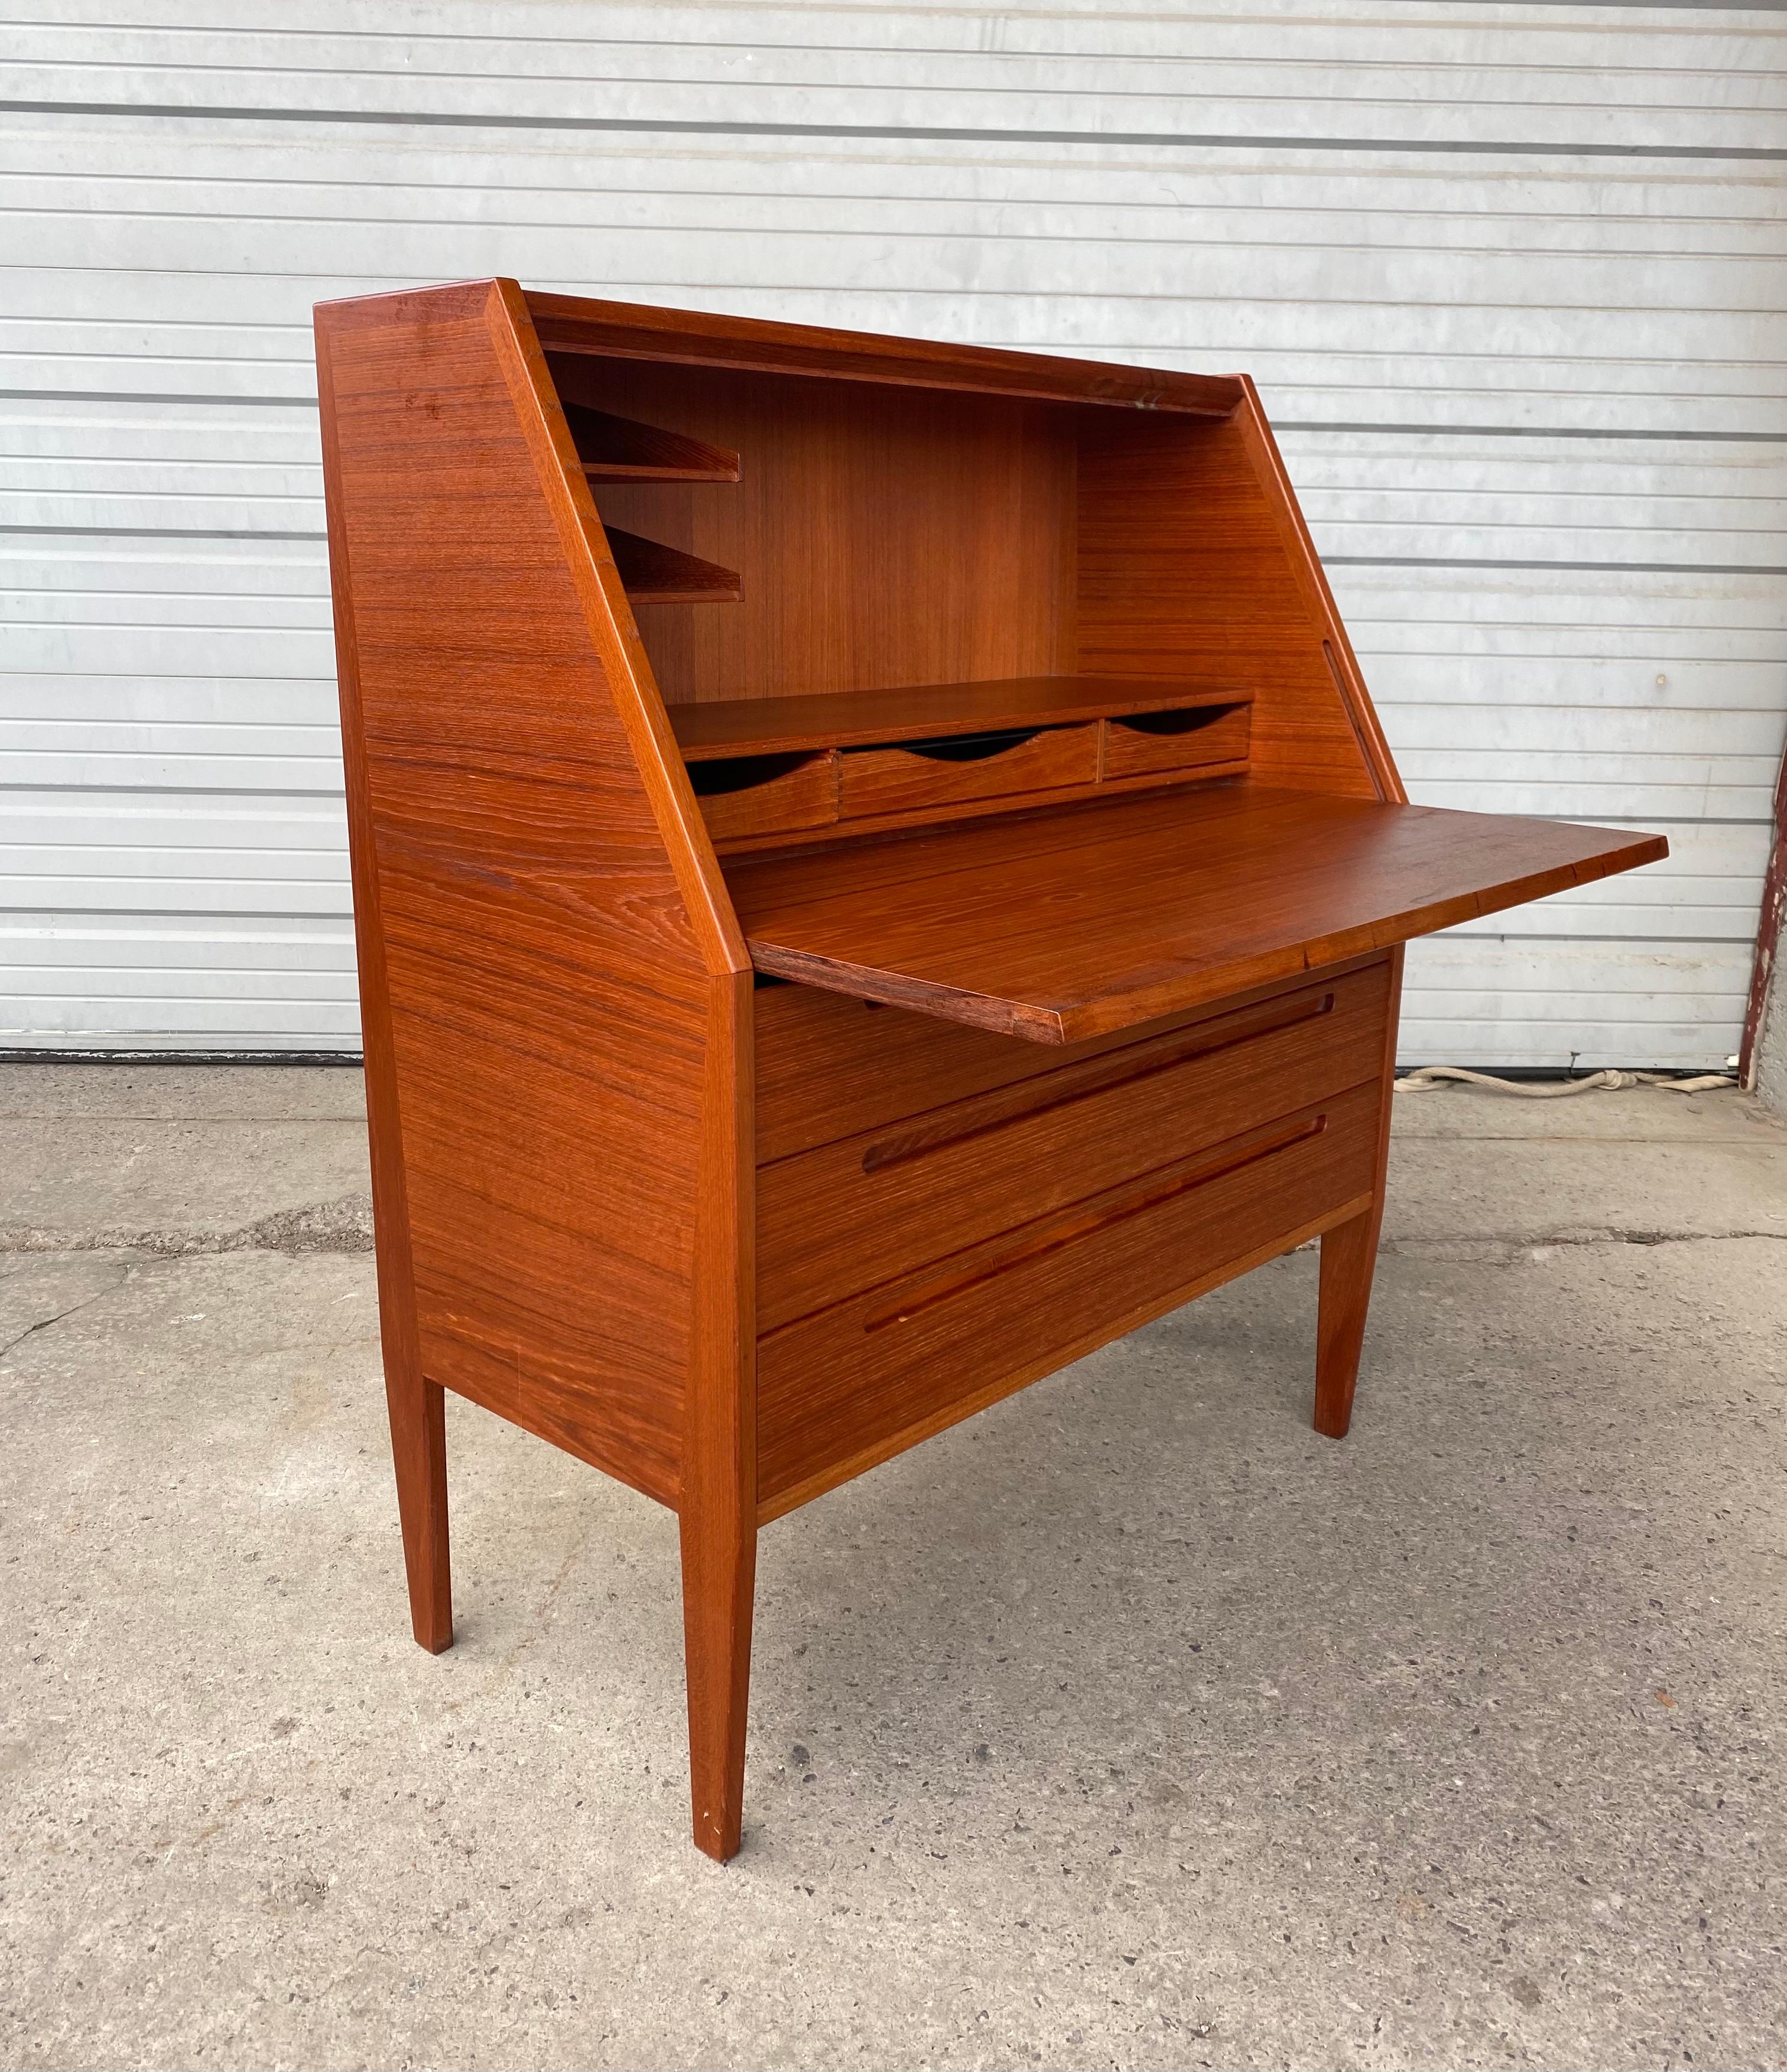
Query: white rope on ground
x=1425, y=1077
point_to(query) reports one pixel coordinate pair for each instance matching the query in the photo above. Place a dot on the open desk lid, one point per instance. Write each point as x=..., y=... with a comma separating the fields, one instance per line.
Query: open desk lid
x=1062, y=926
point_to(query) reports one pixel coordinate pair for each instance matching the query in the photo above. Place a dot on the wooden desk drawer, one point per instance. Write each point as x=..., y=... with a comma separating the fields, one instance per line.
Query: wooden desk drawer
x=766, y=794
x=850, y=1214
x=1153, y=744
x=829, y=1067
x=980, y=766
x=839, y=1390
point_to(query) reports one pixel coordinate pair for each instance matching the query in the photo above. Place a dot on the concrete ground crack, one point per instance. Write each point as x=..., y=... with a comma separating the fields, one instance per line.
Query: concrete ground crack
x=344, y=1225
x=43, y=1323
x=1507, y=1248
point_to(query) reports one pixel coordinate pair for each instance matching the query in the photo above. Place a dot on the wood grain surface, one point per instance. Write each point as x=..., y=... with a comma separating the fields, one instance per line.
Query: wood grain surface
x=613, y=449
x=1254, y=430
x=1193, y=562
x=565, y=988
x=1349, y=1254
x=415, y=1405
x=521, y=928
x=801, y=796
x=653, y=573
x=1075, y=923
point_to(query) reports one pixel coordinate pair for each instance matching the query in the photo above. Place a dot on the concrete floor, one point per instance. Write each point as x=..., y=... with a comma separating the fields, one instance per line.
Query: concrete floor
x=1130, y=1725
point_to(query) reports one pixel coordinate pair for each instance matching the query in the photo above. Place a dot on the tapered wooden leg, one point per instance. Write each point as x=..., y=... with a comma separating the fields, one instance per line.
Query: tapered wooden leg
x=1349, y=1254
x=717, y=1494
x=719, y=1572
x=418, y=1449
x=1349, y=1257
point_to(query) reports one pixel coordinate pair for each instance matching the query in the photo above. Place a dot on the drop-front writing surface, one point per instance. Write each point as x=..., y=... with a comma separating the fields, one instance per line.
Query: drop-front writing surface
x=876, y=871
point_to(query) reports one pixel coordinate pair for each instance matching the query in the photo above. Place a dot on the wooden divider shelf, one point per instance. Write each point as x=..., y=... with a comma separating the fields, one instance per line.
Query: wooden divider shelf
x=653, y=573
x=615, y=448
x=913, y=711
x=1033, y=762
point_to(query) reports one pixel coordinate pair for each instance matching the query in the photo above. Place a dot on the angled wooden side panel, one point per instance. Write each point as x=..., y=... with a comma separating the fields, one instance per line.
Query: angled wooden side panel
x=1194, y=562
x=417, y=1411
x=553, y=966
x=1338, y=658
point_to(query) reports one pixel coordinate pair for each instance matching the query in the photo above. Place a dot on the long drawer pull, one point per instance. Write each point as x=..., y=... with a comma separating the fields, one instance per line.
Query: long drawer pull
x=1091, y=1219
x=919, y=1143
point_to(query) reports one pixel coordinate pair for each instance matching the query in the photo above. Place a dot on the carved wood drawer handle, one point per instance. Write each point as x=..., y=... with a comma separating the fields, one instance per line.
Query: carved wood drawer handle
x=1122, y=1071
x=1096, y=1218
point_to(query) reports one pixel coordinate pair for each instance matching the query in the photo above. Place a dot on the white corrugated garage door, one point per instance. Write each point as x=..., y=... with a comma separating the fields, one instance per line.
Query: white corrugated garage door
x=1505, y=275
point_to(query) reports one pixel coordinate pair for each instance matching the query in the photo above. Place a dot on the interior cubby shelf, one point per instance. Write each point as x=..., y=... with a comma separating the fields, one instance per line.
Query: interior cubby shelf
x=622, y=450
x=652, y=574
x=920, y=711
x=615, y=450
x=822, y=530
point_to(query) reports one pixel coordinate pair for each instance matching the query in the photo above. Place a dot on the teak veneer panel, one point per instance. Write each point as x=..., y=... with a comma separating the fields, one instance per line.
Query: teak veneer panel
x=805, y=796
x=652, y=573
x=1075, y=923
x=1193, y=561
x=548, y=963
x=615, y=448
x=544, y=983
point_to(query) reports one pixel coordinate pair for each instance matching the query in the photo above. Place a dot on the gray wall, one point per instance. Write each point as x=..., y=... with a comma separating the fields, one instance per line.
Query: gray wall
x=1508, y=276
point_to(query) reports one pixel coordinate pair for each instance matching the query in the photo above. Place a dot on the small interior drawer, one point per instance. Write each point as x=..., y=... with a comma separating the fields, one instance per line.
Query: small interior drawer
x=766, y=794
x=921, y=774
x=1150, y=744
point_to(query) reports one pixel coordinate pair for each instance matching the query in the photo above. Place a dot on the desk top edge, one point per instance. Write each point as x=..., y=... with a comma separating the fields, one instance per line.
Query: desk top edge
x=574, y=323
x=699, y=337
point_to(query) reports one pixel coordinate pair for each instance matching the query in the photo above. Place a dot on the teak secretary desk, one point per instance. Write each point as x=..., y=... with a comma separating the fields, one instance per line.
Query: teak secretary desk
x=874, y=871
